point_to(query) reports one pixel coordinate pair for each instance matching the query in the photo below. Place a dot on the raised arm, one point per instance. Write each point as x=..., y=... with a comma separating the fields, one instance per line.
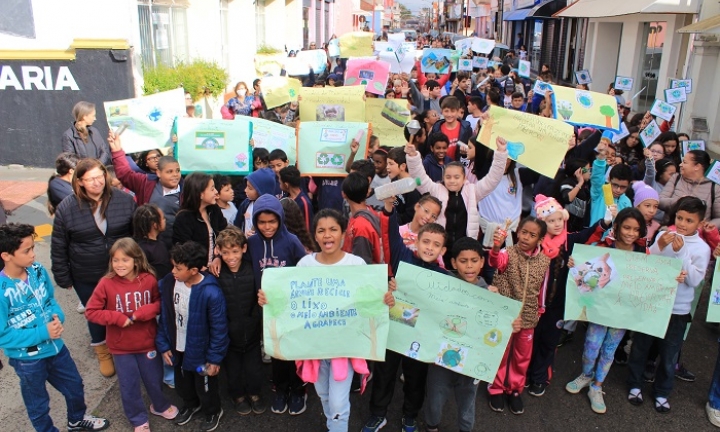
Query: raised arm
x=489, y=182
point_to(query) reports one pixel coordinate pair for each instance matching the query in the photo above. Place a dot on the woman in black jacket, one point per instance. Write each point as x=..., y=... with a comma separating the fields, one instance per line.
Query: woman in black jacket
x=86, y=226
x=200, y=219
x=82, y=138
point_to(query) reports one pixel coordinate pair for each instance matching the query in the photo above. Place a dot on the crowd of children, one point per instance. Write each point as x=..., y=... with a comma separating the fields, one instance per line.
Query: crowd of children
x=181, y=300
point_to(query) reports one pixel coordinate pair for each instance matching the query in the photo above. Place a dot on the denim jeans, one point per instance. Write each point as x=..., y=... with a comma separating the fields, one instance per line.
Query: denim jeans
x=668, y=347
x=714, y=395
x=335, y=396
x=60, y=371
x=442, y=384
x=134, y=370
x=97, y=331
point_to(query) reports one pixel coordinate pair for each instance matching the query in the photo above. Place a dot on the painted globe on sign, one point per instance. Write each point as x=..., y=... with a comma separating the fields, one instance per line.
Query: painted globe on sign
x=451, y=358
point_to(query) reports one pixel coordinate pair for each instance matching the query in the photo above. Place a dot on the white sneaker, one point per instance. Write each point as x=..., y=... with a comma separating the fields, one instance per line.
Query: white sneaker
x=80, y=308
x=597, y=402
x=713, y=414
x=578, y=383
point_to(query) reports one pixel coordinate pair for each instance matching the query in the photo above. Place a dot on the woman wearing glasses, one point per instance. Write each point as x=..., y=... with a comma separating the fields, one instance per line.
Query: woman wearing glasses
x=691, y=181
x=86, y=225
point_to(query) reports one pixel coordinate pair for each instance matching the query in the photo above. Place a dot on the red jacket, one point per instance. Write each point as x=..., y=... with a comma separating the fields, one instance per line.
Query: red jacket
x=117, y=299
x=136, y=182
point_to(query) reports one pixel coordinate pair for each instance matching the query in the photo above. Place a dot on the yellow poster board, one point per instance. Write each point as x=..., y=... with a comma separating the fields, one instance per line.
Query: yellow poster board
x=388, y=118
x=537, y=142
x=332, y=104
x=269, y=64
x=280, y=90
x=356, y=44
x=585, y=108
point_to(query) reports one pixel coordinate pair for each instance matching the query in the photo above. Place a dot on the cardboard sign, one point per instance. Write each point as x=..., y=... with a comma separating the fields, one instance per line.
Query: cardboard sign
x=583, y=76
x=623, y=83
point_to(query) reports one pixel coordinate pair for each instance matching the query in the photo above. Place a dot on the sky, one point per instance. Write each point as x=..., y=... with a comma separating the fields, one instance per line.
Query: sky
x=415, y=5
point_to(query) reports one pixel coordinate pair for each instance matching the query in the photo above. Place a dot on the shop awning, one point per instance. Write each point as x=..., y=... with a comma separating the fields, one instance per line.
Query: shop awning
x=546, y=9
x=710, y=25
x=611, y=8
x=517, y=15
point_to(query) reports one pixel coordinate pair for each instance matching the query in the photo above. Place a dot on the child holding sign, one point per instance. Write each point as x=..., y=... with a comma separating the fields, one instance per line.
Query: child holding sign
x=521, y=276
x=619, y=180
x=686, y=244
x=332, y=377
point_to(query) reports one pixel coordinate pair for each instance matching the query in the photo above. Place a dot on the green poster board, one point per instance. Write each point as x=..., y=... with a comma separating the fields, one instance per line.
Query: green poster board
x=323, y=147
x=213, y=146
x=325, y=312
x=620, y=289
x=443, y=320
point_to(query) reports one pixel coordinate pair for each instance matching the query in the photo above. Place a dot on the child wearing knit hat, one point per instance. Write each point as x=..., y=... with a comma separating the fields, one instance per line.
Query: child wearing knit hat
x=647, y=201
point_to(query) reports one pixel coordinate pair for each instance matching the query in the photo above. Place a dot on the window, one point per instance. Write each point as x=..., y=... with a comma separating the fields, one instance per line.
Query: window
x=163, y=31
x=260, y=22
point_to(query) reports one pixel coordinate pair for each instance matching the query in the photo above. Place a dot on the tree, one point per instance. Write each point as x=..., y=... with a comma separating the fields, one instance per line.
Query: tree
x=609, y=113
x=405, y=13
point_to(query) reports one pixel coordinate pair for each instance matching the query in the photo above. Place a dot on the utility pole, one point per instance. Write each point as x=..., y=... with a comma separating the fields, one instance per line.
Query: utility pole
x=498, y=25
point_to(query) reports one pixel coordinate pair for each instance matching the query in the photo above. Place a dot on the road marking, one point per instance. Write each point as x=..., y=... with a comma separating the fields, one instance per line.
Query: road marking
x=43, y=230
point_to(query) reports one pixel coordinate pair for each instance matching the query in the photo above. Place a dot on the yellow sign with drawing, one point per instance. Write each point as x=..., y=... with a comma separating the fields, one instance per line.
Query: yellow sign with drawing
x=332, y=104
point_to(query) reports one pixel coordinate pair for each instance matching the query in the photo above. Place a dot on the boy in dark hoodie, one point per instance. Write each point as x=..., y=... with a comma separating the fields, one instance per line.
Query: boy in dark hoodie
x=258, y=183
x=430, y=246
x=274, y=246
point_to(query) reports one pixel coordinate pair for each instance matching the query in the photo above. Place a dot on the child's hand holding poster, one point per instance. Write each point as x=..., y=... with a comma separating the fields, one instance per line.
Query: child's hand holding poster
x=372, y=74
x=622, y=289
x=585, y=108
x=213, y=146
x=323, y=147
x=650, y=133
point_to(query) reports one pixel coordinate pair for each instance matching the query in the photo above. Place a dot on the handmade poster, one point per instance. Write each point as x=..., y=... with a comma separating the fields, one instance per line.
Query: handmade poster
x=371, y=74
x=455, y=58
x=675, y=95
x=622, y=134
x=401, y=59
x=332, y=104
x=465, y=65
x=271, y=135
x=650, y=133
x=621, y=289
x=537, y=142
x=691, y=145
x=583, y=76
x=316, y=59
x=280, y=90
x=663, y=110
x=524, y=68
x=214, y=146
x=541, y=87
x=623, y=83
x=356, y=44
x=436, y=60
x=334, y=48
x=324, y=146
x=388, y=118
x=483, y=46
x=585, y=108
x=148, y=119
x=480, y=62
x=296, y=66
x=685, y=84
x=325, y=312
x=269, y=64
x=713, y=172
x=446, y=321
x=491, y=63
x=464, y=44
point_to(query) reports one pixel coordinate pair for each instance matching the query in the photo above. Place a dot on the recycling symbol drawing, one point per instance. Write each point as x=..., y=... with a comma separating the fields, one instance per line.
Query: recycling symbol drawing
x=337, y=160
x=323, y=159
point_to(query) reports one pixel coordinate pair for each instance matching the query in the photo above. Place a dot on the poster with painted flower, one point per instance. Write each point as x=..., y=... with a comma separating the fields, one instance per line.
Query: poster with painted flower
x=465, y=65
x=690, y=145
x=623, y=83
x=685, y=84
x=583, y=76
x=524, y=69
x=663, y=110
x=675, y=95
x=650, y=133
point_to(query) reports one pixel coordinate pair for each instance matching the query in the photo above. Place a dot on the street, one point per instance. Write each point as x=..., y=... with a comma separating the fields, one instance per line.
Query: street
x=556, y=410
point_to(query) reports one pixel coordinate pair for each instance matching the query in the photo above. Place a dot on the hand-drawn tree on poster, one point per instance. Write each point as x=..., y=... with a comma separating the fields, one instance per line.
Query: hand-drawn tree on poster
x=277, y=303
x=368, y=306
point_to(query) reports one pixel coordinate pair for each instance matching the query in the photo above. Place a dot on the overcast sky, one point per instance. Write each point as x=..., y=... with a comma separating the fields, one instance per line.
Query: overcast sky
x=416, y=5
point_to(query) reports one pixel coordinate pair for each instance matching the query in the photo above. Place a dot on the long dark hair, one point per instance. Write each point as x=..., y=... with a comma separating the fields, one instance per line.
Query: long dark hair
x=142, y=159
x=193, y=187
x=295, y=223
x=630, y=213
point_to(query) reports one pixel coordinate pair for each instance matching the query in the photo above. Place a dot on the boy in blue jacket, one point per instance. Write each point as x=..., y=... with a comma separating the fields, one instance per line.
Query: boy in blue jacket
x=30, y=334
x=193, y=333
x=258, y=183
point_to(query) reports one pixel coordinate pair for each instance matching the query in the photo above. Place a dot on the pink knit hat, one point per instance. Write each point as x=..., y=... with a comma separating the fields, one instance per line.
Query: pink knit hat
x=545, y=206
x=644, y=192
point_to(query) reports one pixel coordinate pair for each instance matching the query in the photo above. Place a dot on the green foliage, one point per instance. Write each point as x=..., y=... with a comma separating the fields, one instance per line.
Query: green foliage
x=195, y=77
x=607, y=111
x=267, y=49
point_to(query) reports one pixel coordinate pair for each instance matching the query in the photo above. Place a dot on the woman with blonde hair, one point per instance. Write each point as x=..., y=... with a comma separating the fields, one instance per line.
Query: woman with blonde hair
x=82, y=138
x=86, y=226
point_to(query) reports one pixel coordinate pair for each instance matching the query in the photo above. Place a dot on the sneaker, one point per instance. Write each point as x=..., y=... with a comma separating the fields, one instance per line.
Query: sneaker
x=279, y=405
x=578, y=384
x=211, y=422
x=497, y=402
x=143, y=428
x=597, y=403
x=258, y=404
x=297, y=404
x=516, y=403
x=684, y=374
x=713, y=414
x=565, y=337
x=185, y=415
x=409, y=425
x=537, y=390
x=80, y=308
x=89, y=423
x=374, y=423
x=649, y=372
x=168, y=414
x=242, y=406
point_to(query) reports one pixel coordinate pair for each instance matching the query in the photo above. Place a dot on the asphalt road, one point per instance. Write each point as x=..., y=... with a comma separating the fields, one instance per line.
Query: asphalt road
x=557, y=410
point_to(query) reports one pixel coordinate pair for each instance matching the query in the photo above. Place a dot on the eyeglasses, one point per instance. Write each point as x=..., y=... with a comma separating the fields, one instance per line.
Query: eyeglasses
x=427, y=212
x=618, y=187
x=96, y=179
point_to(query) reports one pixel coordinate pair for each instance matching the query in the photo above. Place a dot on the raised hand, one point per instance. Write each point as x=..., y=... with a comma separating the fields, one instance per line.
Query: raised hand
x=501, y=144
